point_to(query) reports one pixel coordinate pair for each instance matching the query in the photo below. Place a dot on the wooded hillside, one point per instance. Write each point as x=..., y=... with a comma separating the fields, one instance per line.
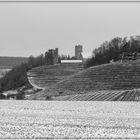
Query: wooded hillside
x=12, y=61
x=111, y=50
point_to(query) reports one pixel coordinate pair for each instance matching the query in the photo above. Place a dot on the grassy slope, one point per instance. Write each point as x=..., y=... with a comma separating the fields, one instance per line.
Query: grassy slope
x=46, y=76
x=113, y=76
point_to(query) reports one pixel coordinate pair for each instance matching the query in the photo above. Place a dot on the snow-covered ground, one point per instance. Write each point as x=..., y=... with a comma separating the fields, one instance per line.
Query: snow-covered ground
x=56, y=119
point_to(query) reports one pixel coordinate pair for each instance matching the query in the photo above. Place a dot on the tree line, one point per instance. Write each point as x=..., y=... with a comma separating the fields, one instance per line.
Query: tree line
x=17, y=77
x=12, y=61
x=111, y=50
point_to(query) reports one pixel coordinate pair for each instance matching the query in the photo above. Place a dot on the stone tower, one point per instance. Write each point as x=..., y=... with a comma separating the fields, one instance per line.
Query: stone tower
x=78, y=51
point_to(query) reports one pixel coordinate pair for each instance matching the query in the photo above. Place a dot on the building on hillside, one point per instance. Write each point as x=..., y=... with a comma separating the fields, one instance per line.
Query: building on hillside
x=80, y=55
x=70, y=61
x=78, y=52
x=13, y=94
x=52, y=56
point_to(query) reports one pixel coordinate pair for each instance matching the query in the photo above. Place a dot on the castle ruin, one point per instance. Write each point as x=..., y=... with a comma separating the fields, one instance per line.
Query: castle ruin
x=78, y=52
x=52, y=56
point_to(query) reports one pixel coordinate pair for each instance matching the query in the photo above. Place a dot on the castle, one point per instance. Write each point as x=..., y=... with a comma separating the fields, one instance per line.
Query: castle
x=53, y=54
x=80, y=56
x=78, y=52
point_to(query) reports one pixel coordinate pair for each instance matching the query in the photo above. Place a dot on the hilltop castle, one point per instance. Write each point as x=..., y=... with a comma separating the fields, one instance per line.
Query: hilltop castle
x=52, y=56
x=78, y=52
x=80, y=56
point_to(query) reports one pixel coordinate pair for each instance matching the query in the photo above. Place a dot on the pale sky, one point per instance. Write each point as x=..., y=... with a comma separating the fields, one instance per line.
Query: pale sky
x=31, y=28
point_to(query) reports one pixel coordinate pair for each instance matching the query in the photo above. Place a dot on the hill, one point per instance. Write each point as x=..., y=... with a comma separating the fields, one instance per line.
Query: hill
x=116, y=80
x=12, y=61
x=47, y=76
x=114, y=49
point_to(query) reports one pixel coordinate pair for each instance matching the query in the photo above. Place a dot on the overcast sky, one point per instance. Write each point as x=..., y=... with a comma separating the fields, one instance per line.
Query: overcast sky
x=33, y=28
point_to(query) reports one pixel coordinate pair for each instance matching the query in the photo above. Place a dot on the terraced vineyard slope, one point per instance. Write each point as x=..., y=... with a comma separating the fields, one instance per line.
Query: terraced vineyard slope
x=47, y=76
x=104, y=95
x=113, y=76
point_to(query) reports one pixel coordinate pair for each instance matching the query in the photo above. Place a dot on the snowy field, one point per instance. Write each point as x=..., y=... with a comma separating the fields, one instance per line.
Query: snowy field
x=56, y=119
